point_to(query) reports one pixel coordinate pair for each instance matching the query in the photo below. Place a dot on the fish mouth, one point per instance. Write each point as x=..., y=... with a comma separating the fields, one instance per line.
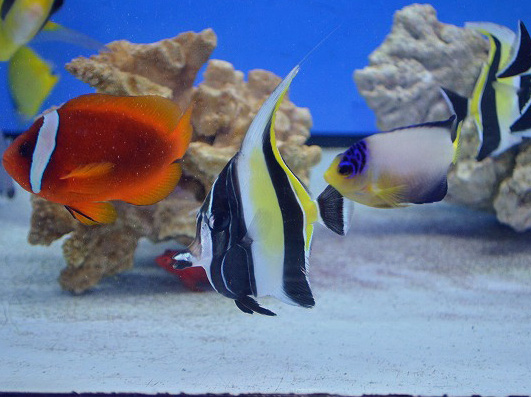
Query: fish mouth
x=188, y=257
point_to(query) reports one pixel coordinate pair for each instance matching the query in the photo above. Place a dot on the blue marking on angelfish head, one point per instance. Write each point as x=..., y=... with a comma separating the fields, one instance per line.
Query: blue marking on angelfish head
x=354, y=160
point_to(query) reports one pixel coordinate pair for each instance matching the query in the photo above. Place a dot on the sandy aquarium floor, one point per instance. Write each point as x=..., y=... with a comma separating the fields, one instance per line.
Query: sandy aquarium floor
x=425, y=300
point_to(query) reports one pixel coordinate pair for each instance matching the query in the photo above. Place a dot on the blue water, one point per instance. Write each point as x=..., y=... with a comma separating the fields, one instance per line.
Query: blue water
x=266, y=34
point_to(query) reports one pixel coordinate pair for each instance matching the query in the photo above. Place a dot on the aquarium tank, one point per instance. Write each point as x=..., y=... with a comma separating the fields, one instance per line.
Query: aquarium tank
x=265, y=197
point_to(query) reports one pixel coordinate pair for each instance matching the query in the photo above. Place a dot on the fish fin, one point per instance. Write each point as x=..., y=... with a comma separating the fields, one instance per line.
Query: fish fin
x=504, y=88
x=183, y=133
x=157, y=111
x=457, y=104
x=434, y=195
x=156, y=188
x=93, y=213
x=31, y=80
x=520, y=62
x=457, y=142
x=248, y=305
x=335, y=210
x=53, y=31
x=392, y=195
x=502, y=33
x=523, y=123
x=91, y=170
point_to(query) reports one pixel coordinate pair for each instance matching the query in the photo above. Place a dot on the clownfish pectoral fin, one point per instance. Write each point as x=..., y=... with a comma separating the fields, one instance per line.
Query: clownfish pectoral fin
x=91, y=170
x=155, y=189
x=248, y=305
x=93, y=213
x=183, y=133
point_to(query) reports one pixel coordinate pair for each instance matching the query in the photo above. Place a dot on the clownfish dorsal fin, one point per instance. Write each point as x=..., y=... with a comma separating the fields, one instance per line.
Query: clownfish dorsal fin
x=160, y=112
x=156, y=188
x=91, y=170
x=93, y=213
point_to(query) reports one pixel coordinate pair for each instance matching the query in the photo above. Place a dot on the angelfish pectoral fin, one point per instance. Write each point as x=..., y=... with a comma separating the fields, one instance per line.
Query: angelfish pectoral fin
x=248, y=305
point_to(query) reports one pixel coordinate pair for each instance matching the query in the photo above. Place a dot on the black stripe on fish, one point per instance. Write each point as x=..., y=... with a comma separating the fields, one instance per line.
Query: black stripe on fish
x=524, y=93
x=6, y=6
x=522, y=60
x=489, y=113
x=430, y=124
x=231, y=268
x=295, y=281
x=523, y=122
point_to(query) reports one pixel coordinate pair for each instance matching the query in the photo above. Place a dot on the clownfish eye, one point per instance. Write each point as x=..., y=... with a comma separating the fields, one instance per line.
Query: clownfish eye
x=25, y=149
x=345, y=169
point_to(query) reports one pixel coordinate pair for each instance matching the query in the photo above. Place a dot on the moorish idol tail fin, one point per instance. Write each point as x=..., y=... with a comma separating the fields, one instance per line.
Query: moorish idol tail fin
x=248, y=305
x=523, y=124
x=335, y=210
x=520, y=61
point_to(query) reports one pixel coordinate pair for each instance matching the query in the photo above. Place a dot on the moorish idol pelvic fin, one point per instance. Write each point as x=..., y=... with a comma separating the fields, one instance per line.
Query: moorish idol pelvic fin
x=255, y=227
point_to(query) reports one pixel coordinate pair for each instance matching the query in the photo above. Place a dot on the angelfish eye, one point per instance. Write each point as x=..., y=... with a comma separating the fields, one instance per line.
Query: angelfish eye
x=25, y=149
x=345, y=169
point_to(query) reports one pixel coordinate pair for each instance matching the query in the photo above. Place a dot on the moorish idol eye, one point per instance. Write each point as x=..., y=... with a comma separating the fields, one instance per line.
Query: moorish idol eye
x=25, y=149
x=219, y=222
x=345, y=169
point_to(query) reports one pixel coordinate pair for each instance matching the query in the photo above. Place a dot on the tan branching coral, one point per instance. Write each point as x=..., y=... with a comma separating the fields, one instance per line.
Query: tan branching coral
x=224, y=106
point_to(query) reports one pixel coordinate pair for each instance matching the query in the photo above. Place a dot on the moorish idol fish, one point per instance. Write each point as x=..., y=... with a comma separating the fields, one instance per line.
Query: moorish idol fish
x=255, y=227
x=497, y=102
x=407, y=165
x=97, y=148
x=520, y=60
x=6, y=183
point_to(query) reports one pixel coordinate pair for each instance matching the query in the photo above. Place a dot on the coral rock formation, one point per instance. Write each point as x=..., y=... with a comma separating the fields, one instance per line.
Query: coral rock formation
x=224, y=105
x=401, y=84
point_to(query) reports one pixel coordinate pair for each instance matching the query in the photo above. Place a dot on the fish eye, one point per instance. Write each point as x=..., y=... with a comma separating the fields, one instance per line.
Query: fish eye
x=218, y=223
x=25, y=149
x=345, y=169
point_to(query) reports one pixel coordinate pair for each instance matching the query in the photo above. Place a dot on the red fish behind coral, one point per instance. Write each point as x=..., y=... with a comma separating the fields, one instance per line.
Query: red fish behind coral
x=193, y=278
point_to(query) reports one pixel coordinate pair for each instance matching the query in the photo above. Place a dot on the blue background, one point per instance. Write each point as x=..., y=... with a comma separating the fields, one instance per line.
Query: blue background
x=266, y=34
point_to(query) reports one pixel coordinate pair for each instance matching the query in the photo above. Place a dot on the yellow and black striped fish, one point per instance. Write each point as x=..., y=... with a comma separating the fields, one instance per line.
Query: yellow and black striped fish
x=502, y=94
x=255, y=227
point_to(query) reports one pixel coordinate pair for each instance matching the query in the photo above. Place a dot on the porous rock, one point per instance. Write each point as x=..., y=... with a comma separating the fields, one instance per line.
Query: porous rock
x=224, y=105
x=401, y=84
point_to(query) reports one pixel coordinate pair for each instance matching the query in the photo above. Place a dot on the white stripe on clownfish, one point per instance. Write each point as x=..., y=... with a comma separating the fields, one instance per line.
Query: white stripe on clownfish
x=44, y=148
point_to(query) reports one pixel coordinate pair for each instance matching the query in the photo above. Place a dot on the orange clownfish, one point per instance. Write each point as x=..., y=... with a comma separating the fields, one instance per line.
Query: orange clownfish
x=97, y=148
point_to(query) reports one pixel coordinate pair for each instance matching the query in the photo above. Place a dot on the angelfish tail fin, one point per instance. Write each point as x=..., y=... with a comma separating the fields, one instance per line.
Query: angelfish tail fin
x=335, y=210
x=248, y=305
